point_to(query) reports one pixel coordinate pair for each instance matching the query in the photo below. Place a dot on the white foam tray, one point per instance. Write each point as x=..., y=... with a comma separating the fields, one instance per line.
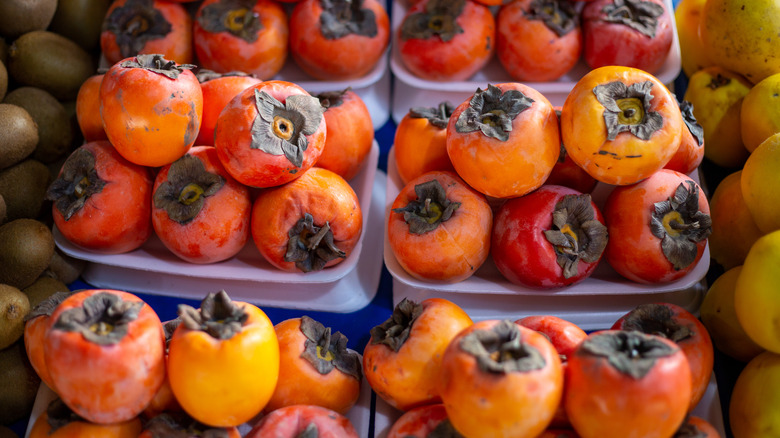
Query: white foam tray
x=411, y=91
x=346, y=287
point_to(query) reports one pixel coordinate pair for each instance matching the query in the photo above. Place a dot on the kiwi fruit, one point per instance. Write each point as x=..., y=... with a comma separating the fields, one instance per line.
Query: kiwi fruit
x=65, y=268
x=18, y=134
x=14, y=306
x=26, y=248
x=43, y=288
x=55, y=132
x=23, y=186
x=50, y=61
x=7, y=432
x=3, y=51
x=3, y=80
x=19, y=384
x=80, y=21
x=21, y=16
x=2, y=210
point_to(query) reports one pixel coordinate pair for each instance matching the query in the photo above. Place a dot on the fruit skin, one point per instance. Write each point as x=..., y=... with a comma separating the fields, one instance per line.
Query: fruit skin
x=760, y=186
x=88, y=109
x=293, y=421
x=755, y=398
x=733, y=229
x=760, y=113
x=420, y=147
x=693, y=54
x=81, y=428
x=350, y=136
x=418, y=422
x=217, y=93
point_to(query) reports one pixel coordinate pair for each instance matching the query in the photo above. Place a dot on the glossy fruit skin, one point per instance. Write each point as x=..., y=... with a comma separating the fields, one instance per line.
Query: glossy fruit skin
x=81, y=429
x=617, y=44
x=759, y=184
x=321, y=193
x=418, y=422
x=349, y=57
x=689, y=154
x=291, y=421
x=733, y=229
x=484, y=404
x=118, y=219
x=233, y=137
x=217, y=93
x=350, y=136
x=693, y=54
x=512, y=168
x=34, y=334
x=584, y=131
x=88, y=110
x=224, y=52
x=106, y=383
x=236, y=376
x=221, y=228
x=754, y=400
x=457, y=248
x=457, y=59
x=149, y=118
x=419, y=147
x=633, y=251
x=760, y=110
x=519, y=248
x=407, y=378
x=529, y=50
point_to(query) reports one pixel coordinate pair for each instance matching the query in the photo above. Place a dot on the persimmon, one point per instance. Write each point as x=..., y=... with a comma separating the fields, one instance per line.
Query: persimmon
x=621, y=124
x=733, y=228
x=199, y=212
x=443, y=40
x=102, y=202
x=35, y=325
x=350, y=132
x=59, y=421
x=538, y=40
x=315, y=367
x=151, y=109
x=420, y=142
x=302, y=420
x=105, y=352
x=309, y=224
x=504, y=140
x=403, y=358
x=88, y=109
x=691, y=151
x=439, y=228
x=138, y=27
x=270, y=134
x=247, y=35
x=338, y=40
x=422, y=422
x=180, y=424
x=218, y=90
x=164, y=400
x=567, y=173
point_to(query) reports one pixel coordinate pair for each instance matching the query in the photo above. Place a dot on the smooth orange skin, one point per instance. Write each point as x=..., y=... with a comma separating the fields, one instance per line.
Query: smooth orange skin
x=733, y=229
x=34, y=332
x=349, y=57
x=301, y=384
x=350, y=136
x=408, y=378
x=457, y=247
x=84, y=429
x=418, y=422
x=585, y=134
x=106, y=384
x=688, y=156
x=163, y=401
x=633, y=251
x=512, y=168
x=150, y=119
x=221, y=228
x=457, y=59
x=419, y=147
x=603, y=402
x=88, y=109
x=567, y=173
x=319, y=192
x=118, y=219
x=518, y=404
x=223, y=52
x=217, y=93
x=233, y=137
x=291, y=421
x=175, y=46
x=224, y=383
x=529, y=50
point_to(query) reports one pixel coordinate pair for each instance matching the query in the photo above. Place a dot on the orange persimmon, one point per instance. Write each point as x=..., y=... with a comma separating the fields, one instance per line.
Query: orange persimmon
x=69, y=425
x=88, y=109
x=218, y=90
x=691, y=151
x=36, y=323
x=420, y=143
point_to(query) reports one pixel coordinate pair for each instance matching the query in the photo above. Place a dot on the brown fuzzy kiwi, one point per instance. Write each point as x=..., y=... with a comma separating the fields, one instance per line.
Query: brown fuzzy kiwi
x=18, y=135
x=43, y=288
x=24, y=187
x=3, y=211
x=55, y=132
x=14, y=306
x=18, y=384
x=21, y=16
x=3, y=80
x=80, y=21
x=26, y=248
x=65, y=268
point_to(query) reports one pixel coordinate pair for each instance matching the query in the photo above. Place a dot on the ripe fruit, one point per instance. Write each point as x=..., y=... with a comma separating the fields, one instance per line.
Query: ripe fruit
x=733, y=229
x=755, y=295
x=760, y=185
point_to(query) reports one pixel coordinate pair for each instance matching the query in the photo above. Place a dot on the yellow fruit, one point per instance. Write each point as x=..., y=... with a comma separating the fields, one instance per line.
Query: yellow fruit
x=720, y=318
x=742, y=36
x=733, y=229
x=761, y=184
x=755, y=401
x=760, y=116
x=757, y=295
x=716, y=95
x=687, y=16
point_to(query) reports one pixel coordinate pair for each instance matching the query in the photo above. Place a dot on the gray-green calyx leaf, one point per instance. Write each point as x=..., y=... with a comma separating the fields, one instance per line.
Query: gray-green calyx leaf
x=134, y=24
x=560, y=16
x=205, y=75
x=501, y=350
x=630, y=352
x=181, y=425
x=326, y=351
x=183, y=193
x=438, y=19
x=235, y=17
x=340, y=18
x=102, y=318
x=311, y=246
x=157, y=64
x=218, y=316
x=438, y=116
x=492, y=112
x=656, y=319
x=627, y=109
x=696, y=130
x=78, y=181
x=680, y=225
x=430, y=209
x=640, y=15
x=396, y=330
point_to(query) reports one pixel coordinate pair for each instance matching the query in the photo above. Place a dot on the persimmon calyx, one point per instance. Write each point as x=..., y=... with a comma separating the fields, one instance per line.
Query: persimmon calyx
x=340, y=18
x=431, y=208
x=332, y=99
x=169, y=327
x=438, y=116
x=311, y=246
x=157, y=63
x=218, y=316
x=639, y=15
x=440, y=18
x=680, y=225
x=78, y=181
x=444, y=429
x=718, y=81
x=181, y=425
x=656, y=319
x=560, y=16
x=631, y=353
x=102, y=318
x=396, y=330
x=235, y=17
x=134, y=24
x=281, y=128
x=576, y=234
x=47, y=306
x=696, y=130
x=627, y=109
x=326, y=352
x=59, y=415
x=688, y=430
x=492, y=112
x=311, y=431
x=501, y=350
x=204, y=75
x=183, y=193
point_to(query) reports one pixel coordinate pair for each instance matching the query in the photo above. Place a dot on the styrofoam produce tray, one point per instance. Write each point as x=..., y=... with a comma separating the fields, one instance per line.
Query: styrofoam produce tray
x=412, y=91
x=345, y=287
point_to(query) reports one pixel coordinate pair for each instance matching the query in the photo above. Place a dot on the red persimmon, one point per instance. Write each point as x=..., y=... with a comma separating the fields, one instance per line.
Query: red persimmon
x=300, y=420
x=420, y=142
x=567, y=173
x=36, y=323
x=88, y=109
x=691, y=151
x=422, y=422
x=218, y=90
